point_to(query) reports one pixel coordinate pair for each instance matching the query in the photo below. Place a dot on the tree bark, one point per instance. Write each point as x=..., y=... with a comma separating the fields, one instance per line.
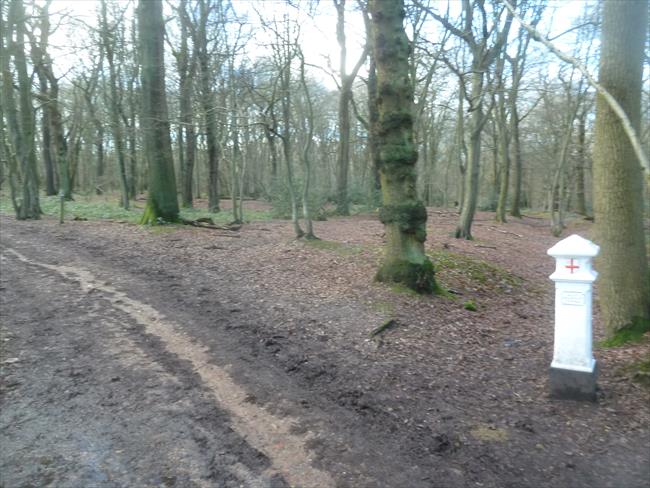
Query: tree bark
x=581, y=200
x=108, y=43
x=470, y=191
x=209, y=108
x=345, y=97
x=402, y=214
x=186, y=70
x=623, y=287
x=162, y=203
x=20, y=115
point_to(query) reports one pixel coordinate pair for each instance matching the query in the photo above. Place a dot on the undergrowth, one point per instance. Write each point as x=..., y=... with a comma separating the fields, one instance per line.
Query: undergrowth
x=85, y=207
x=630, y=334
x=452, y=267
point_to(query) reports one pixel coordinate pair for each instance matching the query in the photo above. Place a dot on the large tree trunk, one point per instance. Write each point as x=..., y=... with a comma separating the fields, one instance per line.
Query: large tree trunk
x=162, y=203
x=402, y=214
x=20, y=116
x=623, y=287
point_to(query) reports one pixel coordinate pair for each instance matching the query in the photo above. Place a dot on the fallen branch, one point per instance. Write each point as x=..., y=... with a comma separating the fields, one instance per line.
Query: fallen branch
x=386, y=325
x=208, y=223
x=505, y=231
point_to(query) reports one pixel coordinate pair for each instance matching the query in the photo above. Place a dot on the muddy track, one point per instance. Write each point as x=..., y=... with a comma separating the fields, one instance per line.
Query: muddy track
x=142, y=364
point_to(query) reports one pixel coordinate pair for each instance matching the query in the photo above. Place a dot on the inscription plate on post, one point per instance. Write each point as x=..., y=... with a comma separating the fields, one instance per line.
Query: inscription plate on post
x=573, y=298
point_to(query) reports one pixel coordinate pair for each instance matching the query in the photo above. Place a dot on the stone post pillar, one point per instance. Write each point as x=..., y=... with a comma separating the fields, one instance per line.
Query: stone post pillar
x=573, y=370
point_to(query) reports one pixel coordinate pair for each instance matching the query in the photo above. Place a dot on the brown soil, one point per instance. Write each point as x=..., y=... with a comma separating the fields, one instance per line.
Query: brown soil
x=176, y=356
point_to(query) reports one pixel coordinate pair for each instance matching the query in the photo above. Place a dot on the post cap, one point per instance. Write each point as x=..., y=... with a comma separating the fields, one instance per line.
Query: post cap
x=574, y=246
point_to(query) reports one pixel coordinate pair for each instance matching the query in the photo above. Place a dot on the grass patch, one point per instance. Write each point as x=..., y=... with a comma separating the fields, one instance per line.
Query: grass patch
x=628, y=335
x=106, y=207
x=482, y=274
x=489, y=433
x=470, y=305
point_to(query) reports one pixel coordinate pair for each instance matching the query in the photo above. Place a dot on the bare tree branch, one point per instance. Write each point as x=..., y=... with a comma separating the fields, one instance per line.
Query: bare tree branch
x=611, y=101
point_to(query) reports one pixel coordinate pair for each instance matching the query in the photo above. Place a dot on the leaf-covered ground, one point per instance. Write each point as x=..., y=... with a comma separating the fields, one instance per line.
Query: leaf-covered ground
x=453, y=394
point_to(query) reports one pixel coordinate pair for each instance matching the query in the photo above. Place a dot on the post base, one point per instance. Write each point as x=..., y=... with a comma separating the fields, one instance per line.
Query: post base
x=567, y=384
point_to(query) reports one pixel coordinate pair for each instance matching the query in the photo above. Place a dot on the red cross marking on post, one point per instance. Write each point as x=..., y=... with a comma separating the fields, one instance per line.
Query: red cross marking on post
x=572, y=266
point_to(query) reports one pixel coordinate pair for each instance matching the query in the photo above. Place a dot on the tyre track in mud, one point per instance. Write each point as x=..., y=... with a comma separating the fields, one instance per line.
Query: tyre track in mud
x=266, y=433
x=341, y=437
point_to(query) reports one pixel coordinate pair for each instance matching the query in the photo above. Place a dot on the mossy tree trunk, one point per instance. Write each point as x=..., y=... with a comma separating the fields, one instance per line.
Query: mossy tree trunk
x=624, y=284
x=402, y=214
x=162, y=203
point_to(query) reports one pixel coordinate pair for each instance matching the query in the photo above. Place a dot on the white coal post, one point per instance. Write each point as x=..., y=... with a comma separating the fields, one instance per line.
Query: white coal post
x=573, y=370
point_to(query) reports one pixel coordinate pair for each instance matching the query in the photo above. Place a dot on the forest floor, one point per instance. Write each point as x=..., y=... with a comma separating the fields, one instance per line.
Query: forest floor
x=176, y=356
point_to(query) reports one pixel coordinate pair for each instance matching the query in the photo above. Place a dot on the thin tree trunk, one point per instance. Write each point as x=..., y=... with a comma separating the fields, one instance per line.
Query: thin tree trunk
x=209, y=108
x=581, y=201
x=116, y=127
x=476, y=122
x=515, y=207
x=306, y=150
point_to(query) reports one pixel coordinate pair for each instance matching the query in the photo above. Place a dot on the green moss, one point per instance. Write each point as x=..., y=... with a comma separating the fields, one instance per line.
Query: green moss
x=632, y=333
x=106, y=207
x=418, y=277
x=411, y=217
x=470, y=305
x=395, y=121
x=398, y=155
x=482, y=274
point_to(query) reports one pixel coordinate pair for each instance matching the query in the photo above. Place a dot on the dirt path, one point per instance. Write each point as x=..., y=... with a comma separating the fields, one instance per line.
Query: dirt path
x=174, y=357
